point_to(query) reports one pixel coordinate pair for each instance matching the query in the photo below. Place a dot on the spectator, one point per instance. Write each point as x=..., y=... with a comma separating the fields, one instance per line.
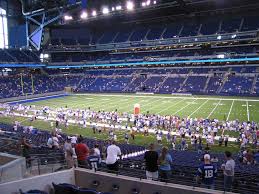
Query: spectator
x=256, y=157
x=248, y=158
x=207, y=172
x=229, y=171
x=69, y=152
x=165, y=162
x=26, y=146
x=82, y=152
x=151, y=158
x=226, y=141
x=93, y=160
x=97, y=151
x=113, y=152
x=220, y=141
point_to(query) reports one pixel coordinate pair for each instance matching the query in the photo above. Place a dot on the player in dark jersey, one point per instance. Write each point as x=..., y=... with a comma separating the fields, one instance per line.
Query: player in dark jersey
x=207, y=173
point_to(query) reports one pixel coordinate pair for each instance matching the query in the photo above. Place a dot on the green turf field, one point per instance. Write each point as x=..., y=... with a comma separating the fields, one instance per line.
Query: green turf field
x=222, y=108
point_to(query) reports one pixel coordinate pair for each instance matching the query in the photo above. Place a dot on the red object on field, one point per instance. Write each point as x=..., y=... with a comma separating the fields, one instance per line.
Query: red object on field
x=136, y=109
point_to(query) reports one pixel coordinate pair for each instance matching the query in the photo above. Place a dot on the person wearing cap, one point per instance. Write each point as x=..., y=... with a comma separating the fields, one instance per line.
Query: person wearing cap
x=207, y=173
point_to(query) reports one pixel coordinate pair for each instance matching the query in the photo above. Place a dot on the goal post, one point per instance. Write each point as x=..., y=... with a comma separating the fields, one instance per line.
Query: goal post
x=68, y=90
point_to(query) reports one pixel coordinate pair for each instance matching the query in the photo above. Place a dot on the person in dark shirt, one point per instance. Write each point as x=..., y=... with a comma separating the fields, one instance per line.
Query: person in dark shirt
x=151, y=161
x=25, y=146
x=207, y=173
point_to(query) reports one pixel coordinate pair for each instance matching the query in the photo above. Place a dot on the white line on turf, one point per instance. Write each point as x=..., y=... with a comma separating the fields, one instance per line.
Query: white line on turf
x=177, y=102
x=199, y=107
x=230, y=110
x=214, y=109
x=172, y=97
x=247, y=110
x=188, y=104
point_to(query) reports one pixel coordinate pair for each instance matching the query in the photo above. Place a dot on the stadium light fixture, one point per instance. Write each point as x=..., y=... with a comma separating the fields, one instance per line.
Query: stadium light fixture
x=68, y=17
x=118, y=7
x=154, y=2
x=130, y=5
x=84, y=15
x=221, y=56
x=234, y=36
x=94, y=13
x=113, y=8
x=148, y=2
x=106, y=10
x=144, y=4
x=219, y=37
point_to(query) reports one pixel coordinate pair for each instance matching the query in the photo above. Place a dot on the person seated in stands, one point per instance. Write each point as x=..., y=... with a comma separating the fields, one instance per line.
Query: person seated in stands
x=256, y=157
x=82, y=152
x=165, y=162
x=206, y=173
x=93, y=160
x=248, y=157
x=214, y=160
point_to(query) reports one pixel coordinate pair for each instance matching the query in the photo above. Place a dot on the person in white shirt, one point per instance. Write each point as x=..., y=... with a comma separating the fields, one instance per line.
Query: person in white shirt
x=229, y=171
x=113, y=152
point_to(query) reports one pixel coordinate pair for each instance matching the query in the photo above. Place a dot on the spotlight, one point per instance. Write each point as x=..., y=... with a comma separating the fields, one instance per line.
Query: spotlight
x=144, y=4
x=84, y=15
x=94, y=13
x=219, y=37
x=130, y=5
x=68, y=17
x=154, y=2
x=113, y=8
x=148, y=2
x=105, y=10
x=118, y=7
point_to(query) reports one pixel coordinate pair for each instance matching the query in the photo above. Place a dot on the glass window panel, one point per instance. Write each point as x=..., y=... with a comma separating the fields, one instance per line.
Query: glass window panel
x=1, y=26
x=1, y=42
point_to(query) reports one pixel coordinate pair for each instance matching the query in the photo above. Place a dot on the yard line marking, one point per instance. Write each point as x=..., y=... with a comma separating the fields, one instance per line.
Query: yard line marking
x=171, y=106
x=247, y=110
x=185, y=106
x=230, y=110
x=214, y=109
x=199, y=107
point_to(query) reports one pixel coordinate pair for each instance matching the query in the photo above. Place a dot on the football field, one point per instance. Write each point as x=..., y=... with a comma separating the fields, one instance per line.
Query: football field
x=222, y=108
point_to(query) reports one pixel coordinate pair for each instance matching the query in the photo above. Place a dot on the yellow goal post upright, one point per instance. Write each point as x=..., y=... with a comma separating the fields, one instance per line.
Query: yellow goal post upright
x=68, y=90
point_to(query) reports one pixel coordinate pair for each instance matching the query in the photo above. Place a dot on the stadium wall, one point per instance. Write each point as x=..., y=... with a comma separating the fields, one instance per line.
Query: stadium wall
x=32, y=98
x=11, y=167
x=105, y=182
